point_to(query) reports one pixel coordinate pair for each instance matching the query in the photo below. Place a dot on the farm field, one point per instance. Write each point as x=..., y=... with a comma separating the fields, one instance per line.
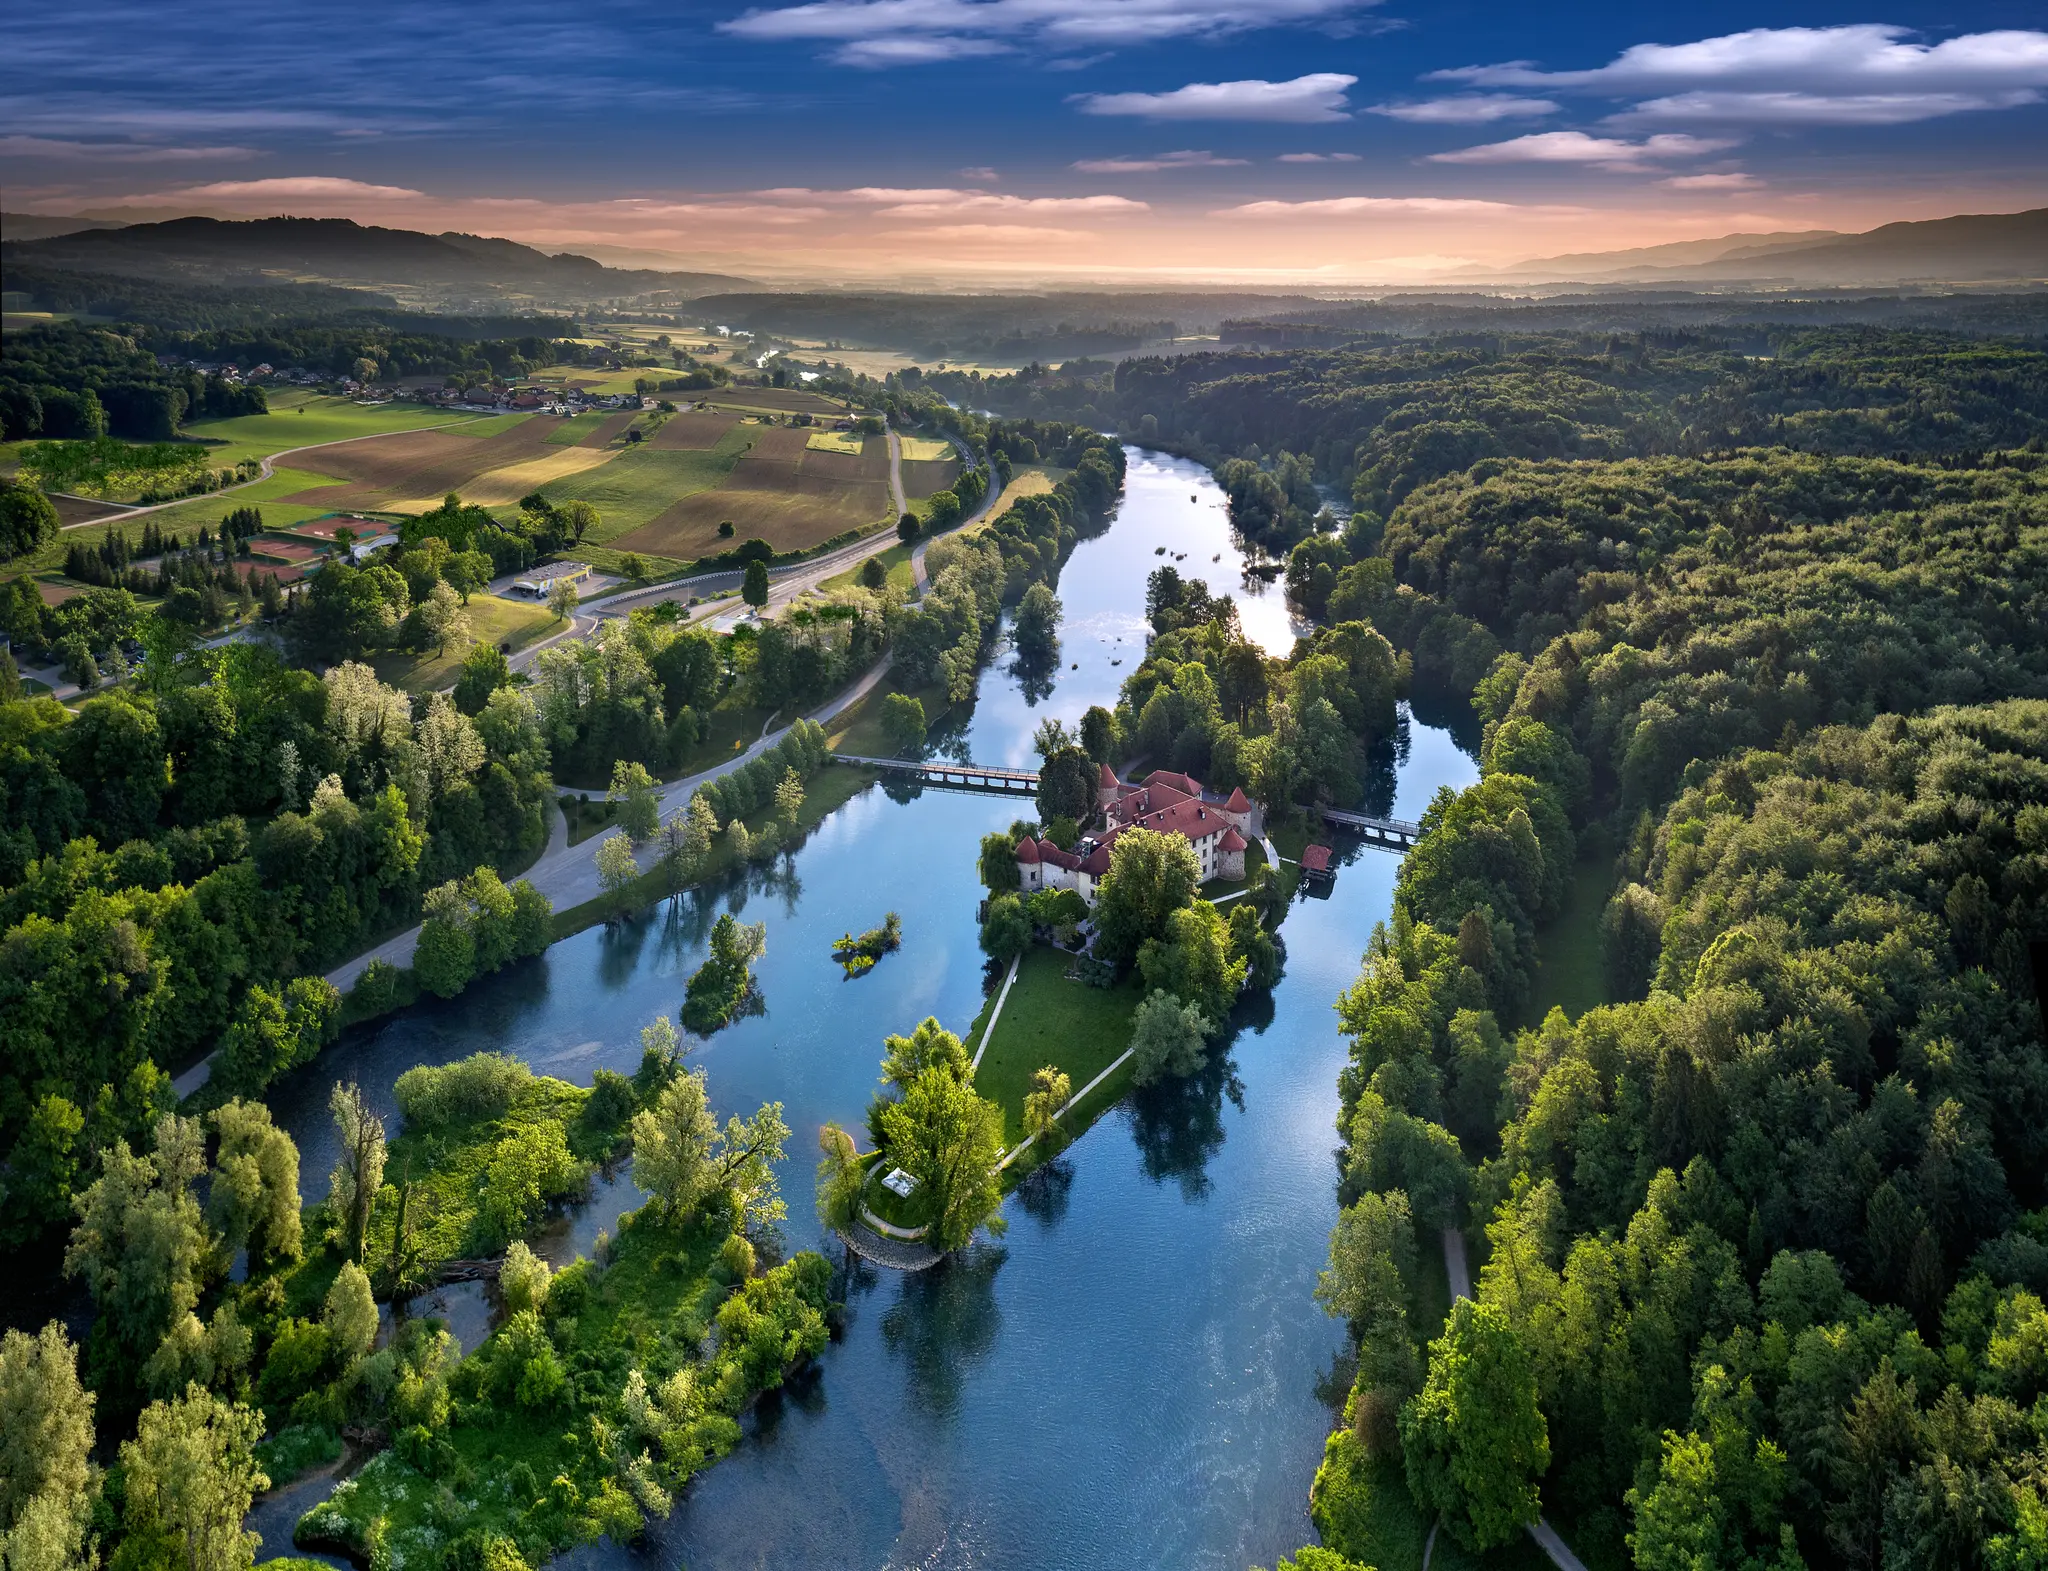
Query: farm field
x=632, y=488
x=423, y=463
x=1028, y=480
x=922, y=478
x=925, y=449
x=782, y=491
x=301, y=419
x=778, y=400
x=498, y=487
x=847, y=442
x=692, y=429
x=592, y=430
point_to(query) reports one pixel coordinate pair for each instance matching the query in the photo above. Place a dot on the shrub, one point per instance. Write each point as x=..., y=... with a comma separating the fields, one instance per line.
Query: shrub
x=482, y=1086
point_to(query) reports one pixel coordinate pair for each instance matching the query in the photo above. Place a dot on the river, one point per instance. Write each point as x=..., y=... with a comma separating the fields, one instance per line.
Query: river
x=1135, y=1374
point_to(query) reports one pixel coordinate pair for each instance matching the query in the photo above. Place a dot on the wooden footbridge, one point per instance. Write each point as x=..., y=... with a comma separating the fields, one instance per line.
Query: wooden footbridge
x=959, y=777
x=1386, y=834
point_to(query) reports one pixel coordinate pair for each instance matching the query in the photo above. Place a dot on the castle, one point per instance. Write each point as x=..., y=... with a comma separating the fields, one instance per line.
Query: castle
x=1219, y=829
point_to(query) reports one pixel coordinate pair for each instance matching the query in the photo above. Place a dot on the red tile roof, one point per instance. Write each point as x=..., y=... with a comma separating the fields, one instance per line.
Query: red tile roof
x=1186, y=784
x=1315, y=859
x=1189, y=818
x=1239, y=802
x=1027, y=850
x=1106, y=776
x=1232, y=840
x=1055, y=857
x=1098, y=861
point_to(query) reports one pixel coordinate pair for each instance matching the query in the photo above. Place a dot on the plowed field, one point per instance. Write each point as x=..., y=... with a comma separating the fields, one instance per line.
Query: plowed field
x=420, y=463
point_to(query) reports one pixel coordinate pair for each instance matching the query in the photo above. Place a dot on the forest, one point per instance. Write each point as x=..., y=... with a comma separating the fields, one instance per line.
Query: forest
x=1761, y=1242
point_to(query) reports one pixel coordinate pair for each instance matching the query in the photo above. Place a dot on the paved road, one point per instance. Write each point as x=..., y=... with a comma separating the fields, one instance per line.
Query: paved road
x=988, y=501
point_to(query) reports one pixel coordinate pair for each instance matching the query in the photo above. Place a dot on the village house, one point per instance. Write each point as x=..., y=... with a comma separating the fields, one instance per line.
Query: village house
x=1218, y=828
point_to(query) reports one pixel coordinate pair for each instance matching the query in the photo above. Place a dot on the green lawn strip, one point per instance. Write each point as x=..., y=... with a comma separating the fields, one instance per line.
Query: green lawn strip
x=824, y=794
x=568, y=433
x=1432, y=1287
x=897, y=1210
x=1049, y=1020
x=492, y=620
x=1570, y=974
x=895, y=562
x=640, y=484
x=299, y=420
x=588, y=815
x=857, y=729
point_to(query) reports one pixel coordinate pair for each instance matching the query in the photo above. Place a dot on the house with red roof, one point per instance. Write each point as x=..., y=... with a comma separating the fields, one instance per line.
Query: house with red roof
x=1219, y=829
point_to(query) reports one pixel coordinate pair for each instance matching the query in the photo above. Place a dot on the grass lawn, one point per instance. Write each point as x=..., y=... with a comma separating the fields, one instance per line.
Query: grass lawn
x=494, y=621
x=1049, y=1020
x=858, y=729
x=300, y=418
x=895, y=561
x=847, y=442
x=569, y=432
x=638, y=485
x=1027, y=480
x=587, y=815
x=1570, y=974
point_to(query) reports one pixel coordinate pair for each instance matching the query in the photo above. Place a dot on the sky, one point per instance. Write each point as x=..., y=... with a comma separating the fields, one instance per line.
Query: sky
x=1267, y=142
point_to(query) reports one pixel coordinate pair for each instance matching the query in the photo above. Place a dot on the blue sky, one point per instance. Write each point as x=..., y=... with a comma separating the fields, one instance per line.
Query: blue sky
x=1256, y=138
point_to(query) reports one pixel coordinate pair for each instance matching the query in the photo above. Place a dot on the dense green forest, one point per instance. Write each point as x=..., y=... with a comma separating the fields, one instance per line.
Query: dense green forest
x=1762, y=1243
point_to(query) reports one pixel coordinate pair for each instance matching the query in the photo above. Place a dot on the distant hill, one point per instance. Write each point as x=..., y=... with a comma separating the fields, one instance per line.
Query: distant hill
x=341, y=249
x=45, y=226
x=1967, y=248
x=1677, y=253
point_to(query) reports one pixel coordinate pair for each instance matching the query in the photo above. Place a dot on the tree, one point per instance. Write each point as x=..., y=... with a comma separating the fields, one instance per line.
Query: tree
x=357, y=1176
x=1066, y=785
x=1050, y=1090
x=930, y=1046
x=46, y=1436
x=719, y=987
x=28, y=521
x=903, y=724
x=445, y=958
x=908, y=528
x=1192, y=960
x=789, y=797
x=683, y=1159
x=1098, y=734
x=999, y=862
x=277, y=1029
x=191, y=1475
x=633, y=565
x=949, y=1139
x=1151, y=876
x=873, y=575
x=1474, y=1439
x=633, y=791
x=350, y=1313
x=616, y=868
x=141, y=1244
x=254, y=1199
x=1168, y=1037
x=1372, y=1261
x=1006, y=928
x=442, y=618
x=754, y=584
x=524, y=1279
x=484, y=671
x=562, y=598
x=1035, y=630
x=579, y=517
x=841, y=1175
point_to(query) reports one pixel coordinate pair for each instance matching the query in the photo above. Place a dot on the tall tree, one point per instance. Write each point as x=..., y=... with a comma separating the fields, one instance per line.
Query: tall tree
x=1474, y=1439
x=191, y=1475
x=949, y=1139
x=359, y=1173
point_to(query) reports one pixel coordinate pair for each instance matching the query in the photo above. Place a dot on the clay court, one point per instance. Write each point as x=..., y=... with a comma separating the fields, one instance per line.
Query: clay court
x=419, y=463
x=780, y=492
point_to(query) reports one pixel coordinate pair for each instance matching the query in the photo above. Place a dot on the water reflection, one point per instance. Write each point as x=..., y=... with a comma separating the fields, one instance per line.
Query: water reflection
x=1135, y=1375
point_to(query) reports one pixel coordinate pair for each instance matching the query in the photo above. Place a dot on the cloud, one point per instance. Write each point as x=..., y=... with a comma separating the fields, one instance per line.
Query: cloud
x=1354, y=206
x=993, y=232
x=981, y=176
x=1576, y=147
x=1467, y=109
x=1863, y=73
x=1317, y=158
x=943, y=202
x=908, y=32
x=1186, y=159
x=316, y=188
x=115, y=152
x=1734, y=181
x=1306, y=100
x=1817, y=108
